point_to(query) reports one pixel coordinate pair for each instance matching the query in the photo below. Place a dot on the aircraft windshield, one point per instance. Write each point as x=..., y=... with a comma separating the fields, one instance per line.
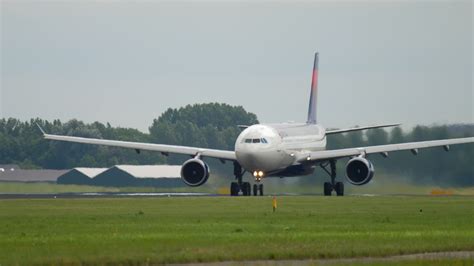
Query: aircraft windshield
x=261, y=140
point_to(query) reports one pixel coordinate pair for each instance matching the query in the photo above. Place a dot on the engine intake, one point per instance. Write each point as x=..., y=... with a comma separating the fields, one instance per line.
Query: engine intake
x=194, y=172
x=359, y=171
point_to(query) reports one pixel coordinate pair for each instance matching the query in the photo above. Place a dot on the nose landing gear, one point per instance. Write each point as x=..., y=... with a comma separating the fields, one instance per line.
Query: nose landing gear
x=333, y=185
x=244, y=187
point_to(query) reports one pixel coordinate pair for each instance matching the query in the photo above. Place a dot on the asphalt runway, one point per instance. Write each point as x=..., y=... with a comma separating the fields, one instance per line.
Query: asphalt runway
x=99, y=195
x=399, y=259
x=73, y=195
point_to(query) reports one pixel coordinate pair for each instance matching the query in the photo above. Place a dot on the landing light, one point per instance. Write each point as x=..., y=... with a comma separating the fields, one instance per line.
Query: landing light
x=260, y=173
x=255, y=173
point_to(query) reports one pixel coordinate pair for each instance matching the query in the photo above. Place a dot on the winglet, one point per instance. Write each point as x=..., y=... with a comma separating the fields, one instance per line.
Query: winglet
x=314, y=93
x=41, y=129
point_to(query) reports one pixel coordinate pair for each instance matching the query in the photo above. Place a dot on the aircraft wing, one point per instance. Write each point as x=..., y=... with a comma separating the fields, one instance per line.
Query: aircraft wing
x=335, y=131
x=381, y=149
x=165, y=149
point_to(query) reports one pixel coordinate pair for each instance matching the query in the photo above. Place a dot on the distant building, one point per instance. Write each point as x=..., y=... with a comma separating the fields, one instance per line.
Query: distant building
x=118, y=176
x=13, y=173
x=80, y=176
x=140, y=175
x=8, y=167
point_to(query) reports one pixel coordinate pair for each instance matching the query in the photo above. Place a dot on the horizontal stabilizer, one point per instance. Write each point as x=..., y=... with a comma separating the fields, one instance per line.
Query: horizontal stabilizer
x=41, y=129
x=336, y=131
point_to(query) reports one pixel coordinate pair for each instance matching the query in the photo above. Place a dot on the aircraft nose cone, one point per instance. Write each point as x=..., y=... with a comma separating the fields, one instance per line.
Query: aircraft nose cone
x=247, y=160
x=255, y=161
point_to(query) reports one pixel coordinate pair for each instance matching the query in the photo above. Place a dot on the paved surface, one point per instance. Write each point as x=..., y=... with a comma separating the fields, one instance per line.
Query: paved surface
x=426, y=256
x=98, y=195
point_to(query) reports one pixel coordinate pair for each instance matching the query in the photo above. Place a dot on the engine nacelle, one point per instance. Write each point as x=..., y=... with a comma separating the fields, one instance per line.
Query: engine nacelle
x=194, y=172
x=359, y=171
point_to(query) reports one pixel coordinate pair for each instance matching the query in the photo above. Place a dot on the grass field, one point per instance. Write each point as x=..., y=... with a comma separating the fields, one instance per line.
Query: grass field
x=204, y=229
x=50, y=188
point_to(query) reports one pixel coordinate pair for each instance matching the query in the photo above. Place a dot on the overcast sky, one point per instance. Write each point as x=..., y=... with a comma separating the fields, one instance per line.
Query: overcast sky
x=126, y=62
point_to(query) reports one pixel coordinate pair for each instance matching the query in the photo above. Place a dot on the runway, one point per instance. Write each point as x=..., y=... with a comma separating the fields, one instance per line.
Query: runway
x=73, y=195
x=401, y=259
x=98, y=195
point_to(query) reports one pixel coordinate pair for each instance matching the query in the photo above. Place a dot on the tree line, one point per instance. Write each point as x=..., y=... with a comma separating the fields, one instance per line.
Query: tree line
x=214, y=125
x=210, y=125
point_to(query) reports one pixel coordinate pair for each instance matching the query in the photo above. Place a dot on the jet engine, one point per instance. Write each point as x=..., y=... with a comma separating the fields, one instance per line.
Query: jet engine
x=359, y=171
x=194, y=172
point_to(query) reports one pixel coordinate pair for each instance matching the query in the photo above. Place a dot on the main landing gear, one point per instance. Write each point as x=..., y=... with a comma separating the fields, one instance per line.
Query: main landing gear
x=333, y=185
x=244, y=187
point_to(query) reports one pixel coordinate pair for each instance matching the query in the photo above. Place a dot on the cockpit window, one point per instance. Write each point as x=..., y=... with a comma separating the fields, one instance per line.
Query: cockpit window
x=261, y=140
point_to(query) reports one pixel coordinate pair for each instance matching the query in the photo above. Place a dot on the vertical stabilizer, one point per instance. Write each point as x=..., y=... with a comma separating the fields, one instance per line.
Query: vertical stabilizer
x=314, y=93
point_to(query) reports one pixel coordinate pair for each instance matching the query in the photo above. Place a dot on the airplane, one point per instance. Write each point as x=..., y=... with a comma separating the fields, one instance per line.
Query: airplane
x=279, y=150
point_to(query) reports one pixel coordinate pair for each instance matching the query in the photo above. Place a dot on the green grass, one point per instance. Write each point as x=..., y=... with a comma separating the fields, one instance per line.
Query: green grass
x=48, y=188
x=45, y=187
x=197, y=229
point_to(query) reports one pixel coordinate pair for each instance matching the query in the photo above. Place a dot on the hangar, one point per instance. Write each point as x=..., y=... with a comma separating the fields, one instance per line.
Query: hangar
x=140, y=175
x=13, y=173
x=118, y=176
x=80, y=176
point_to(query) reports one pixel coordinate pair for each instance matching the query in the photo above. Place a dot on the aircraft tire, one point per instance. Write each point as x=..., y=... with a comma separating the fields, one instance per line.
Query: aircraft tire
x=255, y=189
x=327, y=189
x=260, y=189
x=339, y=189
x=234, y=189
x=246, y=189
x=249, y=188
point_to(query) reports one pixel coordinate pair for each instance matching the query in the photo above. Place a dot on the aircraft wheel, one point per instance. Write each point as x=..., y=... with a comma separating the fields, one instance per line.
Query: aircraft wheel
x=260, y=189
x=243, y=188
x=255, y=189
x=327, y=189
x=339, y=188
x=234, y=189
x=246, y=189
x=249, y=188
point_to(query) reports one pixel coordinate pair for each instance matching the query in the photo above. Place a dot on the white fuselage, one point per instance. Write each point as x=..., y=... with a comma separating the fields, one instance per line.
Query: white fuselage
x=273, y=148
